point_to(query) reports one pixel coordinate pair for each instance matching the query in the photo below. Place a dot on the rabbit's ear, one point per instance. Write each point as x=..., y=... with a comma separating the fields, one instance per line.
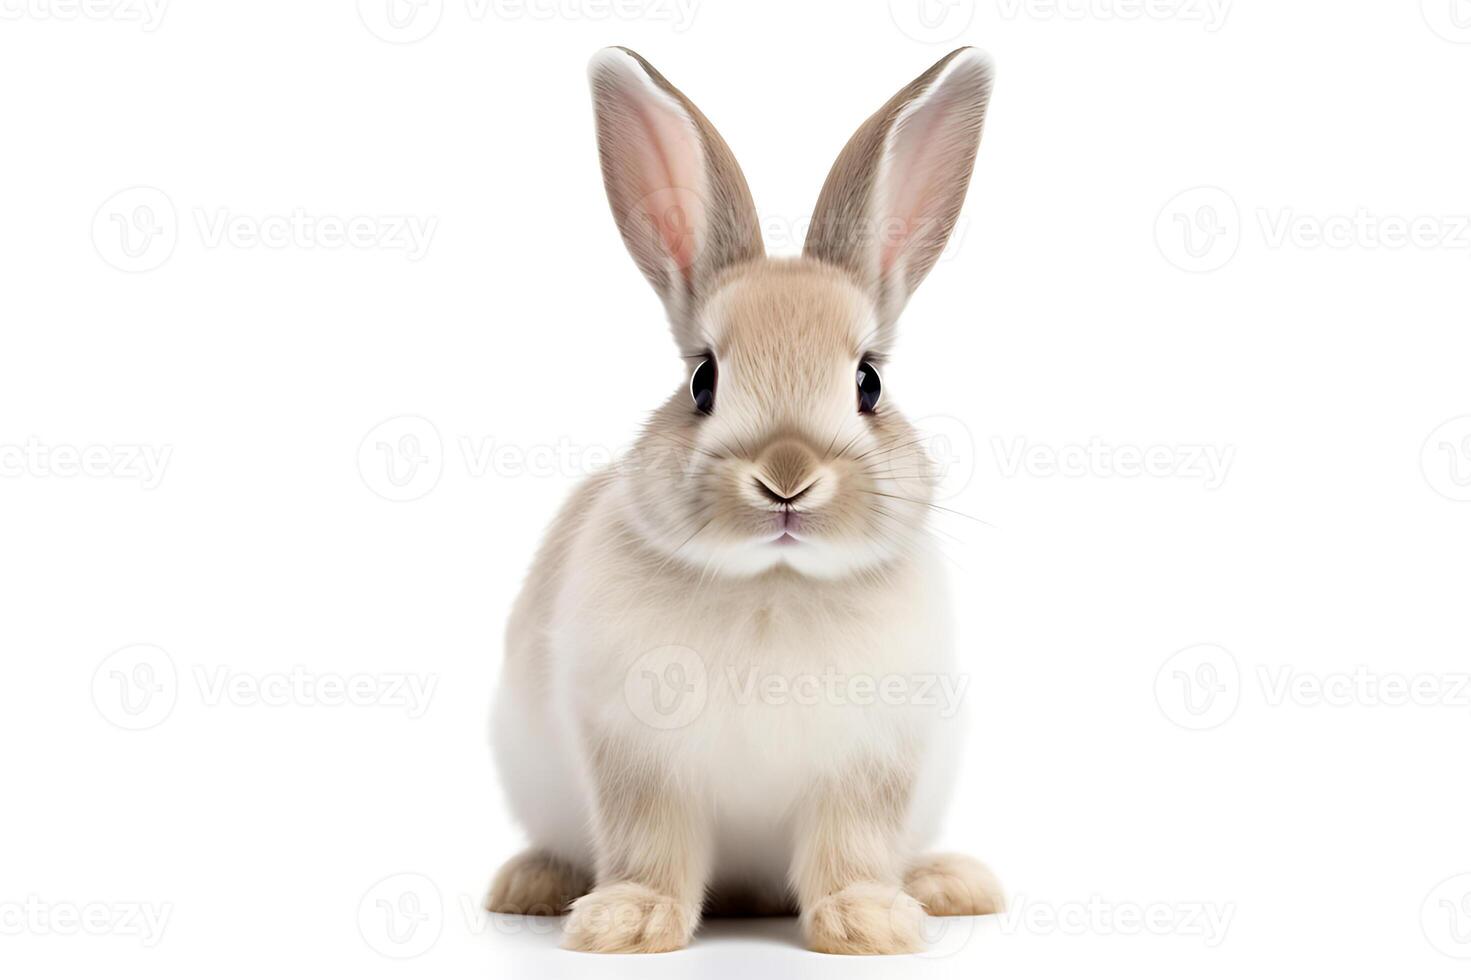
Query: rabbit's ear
x=892, y=198
x=677, y=193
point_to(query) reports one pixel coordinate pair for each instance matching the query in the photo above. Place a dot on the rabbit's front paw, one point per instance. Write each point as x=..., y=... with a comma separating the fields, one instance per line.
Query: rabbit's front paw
x=629, y=918
x=864, y=919
x=953, y=884
x=536, y=883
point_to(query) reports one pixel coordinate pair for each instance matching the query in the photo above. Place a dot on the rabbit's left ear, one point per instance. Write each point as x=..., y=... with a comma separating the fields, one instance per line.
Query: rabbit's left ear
x=893, y=196
x=677, y=193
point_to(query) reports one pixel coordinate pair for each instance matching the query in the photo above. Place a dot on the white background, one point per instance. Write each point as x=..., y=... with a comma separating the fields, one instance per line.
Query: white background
x=1294, y=333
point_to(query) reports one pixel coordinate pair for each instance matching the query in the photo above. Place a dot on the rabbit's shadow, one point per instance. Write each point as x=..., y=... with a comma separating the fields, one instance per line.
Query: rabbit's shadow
x=775, y=931
x=723, y=949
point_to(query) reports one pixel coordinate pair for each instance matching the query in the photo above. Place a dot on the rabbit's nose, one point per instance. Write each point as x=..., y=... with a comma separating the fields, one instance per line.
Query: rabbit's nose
x=786, y=471
x=775, y=496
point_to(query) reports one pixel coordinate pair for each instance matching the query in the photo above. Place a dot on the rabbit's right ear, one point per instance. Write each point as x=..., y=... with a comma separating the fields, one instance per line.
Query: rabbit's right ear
x=677, y=193
x=892, y=199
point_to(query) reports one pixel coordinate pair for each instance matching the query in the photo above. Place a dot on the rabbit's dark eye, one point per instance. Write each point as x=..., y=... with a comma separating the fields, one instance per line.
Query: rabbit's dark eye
x=702, y=386
x=869, y=388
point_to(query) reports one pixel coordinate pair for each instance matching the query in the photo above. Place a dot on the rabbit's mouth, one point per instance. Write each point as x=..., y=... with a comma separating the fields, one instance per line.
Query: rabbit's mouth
x=788, y=524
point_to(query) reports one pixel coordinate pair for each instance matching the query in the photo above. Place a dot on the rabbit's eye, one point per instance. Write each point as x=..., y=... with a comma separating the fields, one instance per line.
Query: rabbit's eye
x=702, y=386
x=869, y=387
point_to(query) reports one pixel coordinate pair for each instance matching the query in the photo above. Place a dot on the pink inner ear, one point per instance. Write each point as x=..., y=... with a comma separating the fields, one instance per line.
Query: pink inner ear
x=668, y=171
x=920, y=174
x=672, y=214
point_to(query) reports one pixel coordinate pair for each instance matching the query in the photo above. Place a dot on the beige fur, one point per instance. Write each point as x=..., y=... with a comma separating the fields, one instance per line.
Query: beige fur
x=748, y=806
x=536, y=883
x=849, y=860
x=864, y=919
x=628, y=917
x=891, y=241
x=693, y=196
x=653, y=853
x=954, y=884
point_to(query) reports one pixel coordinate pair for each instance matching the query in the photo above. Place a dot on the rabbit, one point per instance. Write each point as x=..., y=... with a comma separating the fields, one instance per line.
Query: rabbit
x=691, y=715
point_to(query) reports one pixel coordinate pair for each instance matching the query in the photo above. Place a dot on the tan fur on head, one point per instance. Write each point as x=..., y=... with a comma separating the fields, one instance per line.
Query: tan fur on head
x=787, y=336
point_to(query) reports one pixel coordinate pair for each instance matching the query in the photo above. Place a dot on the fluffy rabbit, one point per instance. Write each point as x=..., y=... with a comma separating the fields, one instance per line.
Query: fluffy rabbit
x=714, y=691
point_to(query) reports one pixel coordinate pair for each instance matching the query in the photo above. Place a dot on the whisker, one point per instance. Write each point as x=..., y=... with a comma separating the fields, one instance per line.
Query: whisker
x=927, y=503
x=886, y=450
